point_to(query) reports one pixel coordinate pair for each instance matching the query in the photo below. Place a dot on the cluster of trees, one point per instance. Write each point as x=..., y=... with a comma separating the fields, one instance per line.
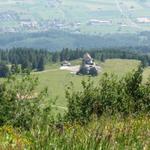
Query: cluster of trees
x=32, y=59
x=6, y=70
x=27, y=58
x=102, y=54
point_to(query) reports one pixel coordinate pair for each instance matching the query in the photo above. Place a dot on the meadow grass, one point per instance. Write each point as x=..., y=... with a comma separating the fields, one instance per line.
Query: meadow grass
x=57, y=80
x=107, y=133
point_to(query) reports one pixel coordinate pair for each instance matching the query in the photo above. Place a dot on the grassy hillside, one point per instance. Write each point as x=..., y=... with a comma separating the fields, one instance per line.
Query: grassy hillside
x=57, y=80
x=108, y=131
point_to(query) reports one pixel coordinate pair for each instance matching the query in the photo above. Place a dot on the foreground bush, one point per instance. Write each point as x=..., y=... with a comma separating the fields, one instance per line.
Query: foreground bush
x=19, y=103
x=113, y=114
x=111, y=95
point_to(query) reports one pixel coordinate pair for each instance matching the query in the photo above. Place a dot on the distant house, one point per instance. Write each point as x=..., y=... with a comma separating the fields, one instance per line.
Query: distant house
x=88, y=59
x=65, y=63
x=99, y=22
x=88, y=66
x=143, y=20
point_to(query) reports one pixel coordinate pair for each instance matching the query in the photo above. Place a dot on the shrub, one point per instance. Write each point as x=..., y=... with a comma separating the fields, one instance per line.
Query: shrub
x=15, y=69
x=19, y=104
x=93, y=71
x=80, y=104
x=4, y=70
x=112, y=95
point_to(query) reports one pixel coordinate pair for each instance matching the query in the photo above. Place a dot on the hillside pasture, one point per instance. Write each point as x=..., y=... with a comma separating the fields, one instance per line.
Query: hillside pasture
x=57, y=80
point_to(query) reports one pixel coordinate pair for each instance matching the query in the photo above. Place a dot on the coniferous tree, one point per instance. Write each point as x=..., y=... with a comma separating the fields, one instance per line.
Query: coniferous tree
x=25, y=64
x=40, y=66
x=15, y=69
x=102, y=58
x=4, y=70
x=55, y=57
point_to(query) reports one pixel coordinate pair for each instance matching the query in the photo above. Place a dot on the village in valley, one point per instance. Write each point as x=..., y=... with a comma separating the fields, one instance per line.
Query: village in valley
x=121, y=19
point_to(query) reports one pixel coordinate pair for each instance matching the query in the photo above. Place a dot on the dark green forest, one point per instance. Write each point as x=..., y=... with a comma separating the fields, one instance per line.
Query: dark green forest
x=56, y=40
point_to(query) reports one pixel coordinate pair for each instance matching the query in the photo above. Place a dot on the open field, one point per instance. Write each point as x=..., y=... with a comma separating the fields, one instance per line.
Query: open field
x=57, y=80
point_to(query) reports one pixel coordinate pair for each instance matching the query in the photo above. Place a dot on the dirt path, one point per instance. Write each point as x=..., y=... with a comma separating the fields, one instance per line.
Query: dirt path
x=49, y=70
x=72, y=69
x=129, y=20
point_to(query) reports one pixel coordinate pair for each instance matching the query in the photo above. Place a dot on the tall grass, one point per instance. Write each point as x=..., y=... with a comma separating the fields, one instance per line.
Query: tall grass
x=107, y=133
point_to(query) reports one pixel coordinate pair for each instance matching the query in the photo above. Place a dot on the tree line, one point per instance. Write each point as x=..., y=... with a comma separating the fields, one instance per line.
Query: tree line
x=28, y=58
x=22, y=59
x=25, y=59
x=102, y=55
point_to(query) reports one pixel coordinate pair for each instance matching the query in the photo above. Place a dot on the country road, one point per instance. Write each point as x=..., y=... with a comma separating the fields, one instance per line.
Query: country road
x=129, y=20
x=70, y=68
x=48, y=70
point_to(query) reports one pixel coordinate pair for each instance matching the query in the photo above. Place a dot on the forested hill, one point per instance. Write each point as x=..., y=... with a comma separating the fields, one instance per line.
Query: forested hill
x=57, y=40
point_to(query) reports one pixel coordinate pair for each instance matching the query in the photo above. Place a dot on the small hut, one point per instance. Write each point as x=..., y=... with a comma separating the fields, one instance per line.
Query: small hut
x=87, y=59
x=65, y=63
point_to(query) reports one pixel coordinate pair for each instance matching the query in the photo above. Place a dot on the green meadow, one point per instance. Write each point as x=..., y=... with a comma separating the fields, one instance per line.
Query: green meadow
x=57, y=80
